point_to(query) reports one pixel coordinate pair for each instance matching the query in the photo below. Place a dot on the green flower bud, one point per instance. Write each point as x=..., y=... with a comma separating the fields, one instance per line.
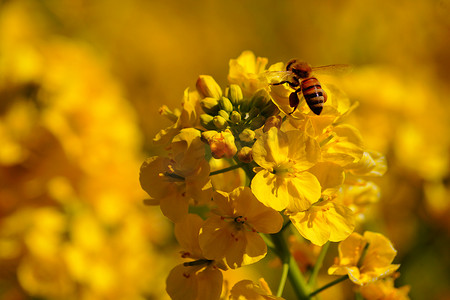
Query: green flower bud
x=270, y=109
x=224, y=114
x=210, y=105
x=257, y=122
x=245, y=105
x=235, y=117
x=253, y=112
x=260, y=98
x=220, y=122
x=234, y=93
x=225, y=104
x=208, y=87
x=207, y=121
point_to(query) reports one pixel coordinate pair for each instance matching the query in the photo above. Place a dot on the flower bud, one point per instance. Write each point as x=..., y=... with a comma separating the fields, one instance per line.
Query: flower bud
x=221, y=143
x=224, y=114
x=210, y=105
x=245, y=105
x=207, y=121
x=235, y=117
x=234, y=93
x=220, y=122
x=225, y=104
x=273, y=121
x=253, y=112
x=247, y=135
x=208, y=87
x=270, y=109
x=245, y=155
x=257, y=122
x=260, y=98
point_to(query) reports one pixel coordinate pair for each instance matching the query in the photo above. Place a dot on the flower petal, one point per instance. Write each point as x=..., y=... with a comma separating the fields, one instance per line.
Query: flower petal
x=312, y=226
x=303, y=189
x=270, y=190
x=210, y=283
x=181, y=284
x=186, y=233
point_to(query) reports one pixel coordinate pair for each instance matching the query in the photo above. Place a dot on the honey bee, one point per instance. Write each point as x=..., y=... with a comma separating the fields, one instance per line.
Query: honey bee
x=298, y=75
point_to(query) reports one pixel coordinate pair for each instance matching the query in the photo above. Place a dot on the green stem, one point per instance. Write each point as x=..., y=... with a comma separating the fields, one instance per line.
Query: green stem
x=295, y=276
x=268, y=242
x=284, y=275
x=247, y=169
x=313, y=278
x=286, y=225
x=226, y=169
x=330, y=284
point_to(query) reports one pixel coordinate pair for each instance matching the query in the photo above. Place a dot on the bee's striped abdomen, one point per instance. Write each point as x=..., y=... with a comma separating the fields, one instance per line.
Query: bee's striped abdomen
x=314, y=95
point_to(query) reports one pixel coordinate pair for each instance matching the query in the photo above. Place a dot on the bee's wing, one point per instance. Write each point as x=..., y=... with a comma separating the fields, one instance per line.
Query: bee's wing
x=339, y=69
x=272, y=77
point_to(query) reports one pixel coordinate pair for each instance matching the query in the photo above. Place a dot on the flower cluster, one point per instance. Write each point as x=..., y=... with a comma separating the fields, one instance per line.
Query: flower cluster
x=311, y=171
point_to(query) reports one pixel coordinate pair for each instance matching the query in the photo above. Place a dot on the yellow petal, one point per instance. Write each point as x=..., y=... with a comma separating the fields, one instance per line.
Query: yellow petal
x=150, y=177
x=312, y=226
x=262, y=218
x=271, y=148
x=182, y=284
x=329, y=174
x=270, y=190
x=341, y=221
x=303, y=189
x=380, y=253
x=350, y=249
x=216, y=237
x=175, y=206
x=210, y=283
x=255, y=249
x=186, y=233
x=303, y=150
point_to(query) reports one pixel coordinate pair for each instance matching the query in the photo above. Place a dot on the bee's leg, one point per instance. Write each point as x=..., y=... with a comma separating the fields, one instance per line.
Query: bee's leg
x=291, y=84
x=294, y=100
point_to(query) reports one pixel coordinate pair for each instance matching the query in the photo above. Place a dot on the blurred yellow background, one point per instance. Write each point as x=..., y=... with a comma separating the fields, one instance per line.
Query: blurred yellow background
x=80, y=87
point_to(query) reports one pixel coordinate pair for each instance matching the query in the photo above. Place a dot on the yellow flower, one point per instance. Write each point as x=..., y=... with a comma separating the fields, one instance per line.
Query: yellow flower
x=324, y=221
x=372, y=164
x=375, y=264
x=282, y=180
x=174, y=182
x=248, y=290
x=344, y=147
x=384, y=290
x=173, y=189
x=188, y=117
x=199, y=279
x=360, y=194
x=244, y=72
x=232, y=233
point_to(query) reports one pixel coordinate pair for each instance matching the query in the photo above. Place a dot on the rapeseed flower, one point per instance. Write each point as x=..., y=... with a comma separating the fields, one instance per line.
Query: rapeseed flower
x=375, y=264
x=324, y=221
x=173, y=182
x=200, y=278
x=232, y=233
x=384, y=289
x=282, y=180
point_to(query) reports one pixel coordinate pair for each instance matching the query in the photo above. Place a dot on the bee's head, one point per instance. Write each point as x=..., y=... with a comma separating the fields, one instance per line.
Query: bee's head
x=299, y=68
